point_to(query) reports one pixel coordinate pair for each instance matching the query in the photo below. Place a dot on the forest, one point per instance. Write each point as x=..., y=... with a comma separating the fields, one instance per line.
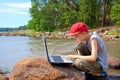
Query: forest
x=51, y=15
x=13, y=29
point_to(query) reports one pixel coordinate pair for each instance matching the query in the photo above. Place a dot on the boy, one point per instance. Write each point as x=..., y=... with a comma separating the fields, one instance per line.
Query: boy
x=96, y=63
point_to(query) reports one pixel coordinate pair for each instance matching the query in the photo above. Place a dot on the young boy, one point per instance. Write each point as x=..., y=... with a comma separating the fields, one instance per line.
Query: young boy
x=96, y=63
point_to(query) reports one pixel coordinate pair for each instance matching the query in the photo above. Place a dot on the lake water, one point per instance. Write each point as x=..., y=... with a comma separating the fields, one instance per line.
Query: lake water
x=16, y=48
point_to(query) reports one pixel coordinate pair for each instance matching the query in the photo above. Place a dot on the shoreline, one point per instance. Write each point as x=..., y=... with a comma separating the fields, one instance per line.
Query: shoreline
x=104, y=33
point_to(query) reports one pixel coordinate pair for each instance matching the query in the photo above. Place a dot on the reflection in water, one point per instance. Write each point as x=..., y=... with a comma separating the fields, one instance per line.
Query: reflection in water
x=15, y=48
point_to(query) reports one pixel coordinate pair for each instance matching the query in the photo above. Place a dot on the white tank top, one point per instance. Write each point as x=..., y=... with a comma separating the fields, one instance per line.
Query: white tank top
x=102, y=53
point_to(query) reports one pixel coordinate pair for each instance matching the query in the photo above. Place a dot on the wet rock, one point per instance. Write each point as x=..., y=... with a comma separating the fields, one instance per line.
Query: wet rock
x=40, y=69
x=116, y=37
x=114, y=62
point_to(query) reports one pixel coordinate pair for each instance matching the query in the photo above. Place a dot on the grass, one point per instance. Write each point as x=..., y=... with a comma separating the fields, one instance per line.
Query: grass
x=114, y=31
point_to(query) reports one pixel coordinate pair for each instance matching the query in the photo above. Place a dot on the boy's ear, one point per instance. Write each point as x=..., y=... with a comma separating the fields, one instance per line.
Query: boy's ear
x=84, y=32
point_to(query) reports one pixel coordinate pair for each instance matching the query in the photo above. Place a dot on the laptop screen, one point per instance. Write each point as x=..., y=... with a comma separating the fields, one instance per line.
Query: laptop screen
x=45, y=46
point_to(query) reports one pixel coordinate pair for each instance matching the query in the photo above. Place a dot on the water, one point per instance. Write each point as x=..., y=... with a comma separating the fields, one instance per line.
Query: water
x=113, y=48
x=16, y=48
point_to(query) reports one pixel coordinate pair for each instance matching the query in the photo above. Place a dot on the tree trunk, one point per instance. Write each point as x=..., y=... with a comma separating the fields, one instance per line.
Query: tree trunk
x=105, y=3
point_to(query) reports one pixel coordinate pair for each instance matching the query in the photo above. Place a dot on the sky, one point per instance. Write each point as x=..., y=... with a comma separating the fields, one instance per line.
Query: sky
x=14, y=13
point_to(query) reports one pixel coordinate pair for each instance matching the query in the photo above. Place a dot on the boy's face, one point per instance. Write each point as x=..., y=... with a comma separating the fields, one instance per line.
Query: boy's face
x=79, y=37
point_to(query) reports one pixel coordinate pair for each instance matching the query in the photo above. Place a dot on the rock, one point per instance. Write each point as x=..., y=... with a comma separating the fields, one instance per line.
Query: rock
x=40, y=69
x=114, y=62
x=114, y=77
x=47, y=33
x=5, y=77
x=106, y=32
x=110, y=77
x=116, y=37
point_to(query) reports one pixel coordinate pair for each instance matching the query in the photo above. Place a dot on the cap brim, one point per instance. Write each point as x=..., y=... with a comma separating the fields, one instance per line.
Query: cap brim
x=72, y=34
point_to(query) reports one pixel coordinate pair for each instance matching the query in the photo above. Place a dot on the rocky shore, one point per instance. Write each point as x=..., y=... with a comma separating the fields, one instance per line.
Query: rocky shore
x=41, y=69
x=103, y=32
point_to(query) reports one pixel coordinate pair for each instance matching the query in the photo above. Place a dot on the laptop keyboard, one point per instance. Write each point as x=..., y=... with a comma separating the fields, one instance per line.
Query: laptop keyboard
x=57, y=58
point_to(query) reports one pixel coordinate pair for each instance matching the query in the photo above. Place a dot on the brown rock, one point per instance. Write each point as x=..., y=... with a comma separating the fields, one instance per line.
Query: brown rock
x=4, y=78
x=114, y=62
x=40, y=69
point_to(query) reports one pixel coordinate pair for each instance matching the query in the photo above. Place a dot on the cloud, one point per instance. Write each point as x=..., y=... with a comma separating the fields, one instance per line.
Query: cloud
x=15, y=8
x=17, y=5
x=14, y=11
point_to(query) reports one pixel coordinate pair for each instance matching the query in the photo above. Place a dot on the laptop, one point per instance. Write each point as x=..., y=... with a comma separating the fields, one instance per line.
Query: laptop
x=55, y=58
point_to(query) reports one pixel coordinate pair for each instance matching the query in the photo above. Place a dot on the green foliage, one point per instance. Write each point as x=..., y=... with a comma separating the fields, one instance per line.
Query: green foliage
x=115, y=31
x=7, y=29
x=22, y=27
x=89, y=11
x=50, y=15
x=115, y=13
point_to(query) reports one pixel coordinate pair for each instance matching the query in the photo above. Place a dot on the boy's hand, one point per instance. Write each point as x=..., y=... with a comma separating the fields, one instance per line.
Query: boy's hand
x=72, y=56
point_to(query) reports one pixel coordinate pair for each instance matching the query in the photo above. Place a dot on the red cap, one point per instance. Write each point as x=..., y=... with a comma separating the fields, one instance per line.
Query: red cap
x=77, y=28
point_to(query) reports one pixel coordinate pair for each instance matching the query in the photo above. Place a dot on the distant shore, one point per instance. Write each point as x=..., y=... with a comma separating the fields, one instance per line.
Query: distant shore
x=103, y=32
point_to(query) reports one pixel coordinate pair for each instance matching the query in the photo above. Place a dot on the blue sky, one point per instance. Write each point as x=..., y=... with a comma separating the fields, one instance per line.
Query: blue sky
x=14, y=13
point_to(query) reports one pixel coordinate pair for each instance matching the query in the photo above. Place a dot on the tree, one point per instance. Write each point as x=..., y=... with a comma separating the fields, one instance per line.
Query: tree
x=38, y=19
x=105, y=4
x=50, y=15
x=89, y=11
x=115, y=12
x=22, y=27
